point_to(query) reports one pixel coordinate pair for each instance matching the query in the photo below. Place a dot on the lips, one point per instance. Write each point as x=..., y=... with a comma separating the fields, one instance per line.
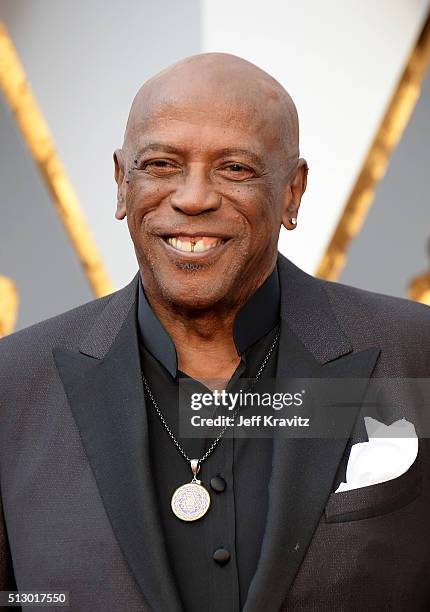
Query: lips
x=194, y=244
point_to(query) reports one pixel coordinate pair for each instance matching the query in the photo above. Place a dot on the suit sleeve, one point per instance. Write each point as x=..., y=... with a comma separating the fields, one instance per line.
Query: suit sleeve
x=7, y=578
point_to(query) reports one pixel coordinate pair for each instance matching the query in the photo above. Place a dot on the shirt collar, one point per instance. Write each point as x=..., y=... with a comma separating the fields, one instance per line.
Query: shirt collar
x=253, y=321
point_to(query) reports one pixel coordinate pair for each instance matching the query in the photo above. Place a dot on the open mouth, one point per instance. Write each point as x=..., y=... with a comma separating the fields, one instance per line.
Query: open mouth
x=195, y=244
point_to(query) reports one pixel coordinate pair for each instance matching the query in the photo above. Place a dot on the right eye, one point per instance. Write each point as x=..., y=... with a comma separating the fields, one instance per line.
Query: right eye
x=160, y=167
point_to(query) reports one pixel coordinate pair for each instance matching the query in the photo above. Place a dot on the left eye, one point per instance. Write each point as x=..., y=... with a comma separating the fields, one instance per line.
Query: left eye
x=236, y=171
x=158, y=163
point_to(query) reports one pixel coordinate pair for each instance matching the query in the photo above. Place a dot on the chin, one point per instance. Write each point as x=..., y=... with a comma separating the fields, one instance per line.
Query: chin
x=193, y=283
x=194, y=294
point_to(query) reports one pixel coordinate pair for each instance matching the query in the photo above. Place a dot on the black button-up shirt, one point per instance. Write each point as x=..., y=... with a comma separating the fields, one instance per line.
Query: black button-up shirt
x=214, y=558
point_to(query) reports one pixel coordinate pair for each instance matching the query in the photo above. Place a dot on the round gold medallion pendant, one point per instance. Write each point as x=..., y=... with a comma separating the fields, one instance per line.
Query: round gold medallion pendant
x=190, y=501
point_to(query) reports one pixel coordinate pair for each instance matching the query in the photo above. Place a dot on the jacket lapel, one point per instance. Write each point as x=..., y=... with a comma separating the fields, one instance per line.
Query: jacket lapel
x=104, y=388
x=312, y=345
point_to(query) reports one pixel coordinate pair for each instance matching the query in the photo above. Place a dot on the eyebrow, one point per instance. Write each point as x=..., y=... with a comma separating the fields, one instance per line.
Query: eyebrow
x=238, y=151
x=225, y=152
x=157, y=146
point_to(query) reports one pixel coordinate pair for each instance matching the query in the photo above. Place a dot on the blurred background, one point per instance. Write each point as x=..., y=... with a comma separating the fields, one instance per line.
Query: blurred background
x=357, y=70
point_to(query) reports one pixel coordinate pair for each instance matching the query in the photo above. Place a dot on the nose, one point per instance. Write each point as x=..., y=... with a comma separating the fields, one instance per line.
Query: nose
x=195, y=195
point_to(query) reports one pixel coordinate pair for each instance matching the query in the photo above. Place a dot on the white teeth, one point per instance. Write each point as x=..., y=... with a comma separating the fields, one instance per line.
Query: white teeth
x=192, y=247
x=199, y=247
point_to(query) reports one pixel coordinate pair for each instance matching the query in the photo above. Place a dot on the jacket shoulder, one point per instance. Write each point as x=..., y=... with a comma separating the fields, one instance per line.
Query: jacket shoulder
x=383, y=309
x=400, y=327
x=359, y=307
x=68, y=328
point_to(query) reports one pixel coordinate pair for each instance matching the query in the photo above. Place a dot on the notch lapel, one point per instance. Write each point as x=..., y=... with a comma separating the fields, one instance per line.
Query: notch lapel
x=104, y=388
x=312, y=345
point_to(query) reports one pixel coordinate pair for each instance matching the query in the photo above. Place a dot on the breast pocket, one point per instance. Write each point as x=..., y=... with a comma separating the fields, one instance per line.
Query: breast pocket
x=377, y=499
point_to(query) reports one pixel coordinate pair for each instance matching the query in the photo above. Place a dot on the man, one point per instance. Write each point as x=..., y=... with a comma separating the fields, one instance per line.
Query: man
x=90, y=447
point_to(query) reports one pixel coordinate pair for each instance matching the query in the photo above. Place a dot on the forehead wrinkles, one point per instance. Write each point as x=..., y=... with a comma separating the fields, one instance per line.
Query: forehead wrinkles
x=226, y=113
x=220, y=113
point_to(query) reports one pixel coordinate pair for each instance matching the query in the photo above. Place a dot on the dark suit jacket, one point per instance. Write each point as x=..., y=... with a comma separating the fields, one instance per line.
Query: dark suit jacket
x=78, y=505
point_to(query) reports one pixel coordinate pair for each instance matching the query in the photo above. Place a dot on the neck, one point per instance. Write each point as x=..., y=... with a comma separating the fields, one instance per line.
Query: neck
x=203, y=340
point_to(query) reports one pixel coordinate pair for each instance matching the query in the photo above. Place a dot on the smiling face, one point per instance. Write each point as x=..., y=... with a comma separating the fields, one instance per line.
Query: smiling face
x=205, y=183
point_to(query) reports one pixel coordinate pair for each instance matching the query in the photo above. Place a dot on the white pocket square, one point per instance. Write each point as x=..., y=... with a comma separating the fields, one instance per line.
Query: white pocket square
x=389, y=453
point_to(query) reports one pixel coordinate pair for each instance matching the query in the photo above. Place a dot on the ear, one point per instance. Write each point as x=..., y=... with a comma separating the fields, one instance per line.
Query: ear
x=293, y=195
x=118, y=158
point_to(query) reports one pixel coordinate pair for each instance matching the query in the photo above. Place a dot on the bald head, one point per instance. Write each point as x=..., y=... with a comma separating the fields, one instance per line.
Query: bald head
x=223, y=85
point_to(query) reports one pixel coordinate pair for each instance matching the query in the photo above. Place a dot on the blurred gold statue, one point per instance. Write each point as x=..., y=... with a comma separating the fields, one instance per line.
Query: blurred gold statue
x=8, y=306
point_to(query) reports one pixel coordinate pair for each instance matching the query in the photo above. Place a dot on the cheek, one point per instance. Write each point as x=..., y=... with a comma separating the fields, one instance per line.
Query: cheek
x=259, y=207
x=144, y=196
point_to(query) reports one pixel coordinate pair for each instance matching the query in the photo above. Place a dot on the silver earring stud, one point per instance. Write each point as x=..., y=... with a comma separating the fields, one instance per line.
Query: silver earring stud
x=293, y=220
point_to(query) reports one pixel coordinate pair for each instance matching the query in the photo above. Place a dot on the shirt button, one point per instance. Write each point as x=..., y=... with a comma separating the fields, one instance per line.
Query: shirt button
x=218, y=484
x=221, y=556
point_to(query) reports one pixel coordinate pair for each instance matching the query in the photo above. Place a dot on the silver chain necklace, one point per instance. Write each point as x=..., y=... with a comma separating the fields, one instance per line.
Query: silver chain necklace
x=191, y=501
